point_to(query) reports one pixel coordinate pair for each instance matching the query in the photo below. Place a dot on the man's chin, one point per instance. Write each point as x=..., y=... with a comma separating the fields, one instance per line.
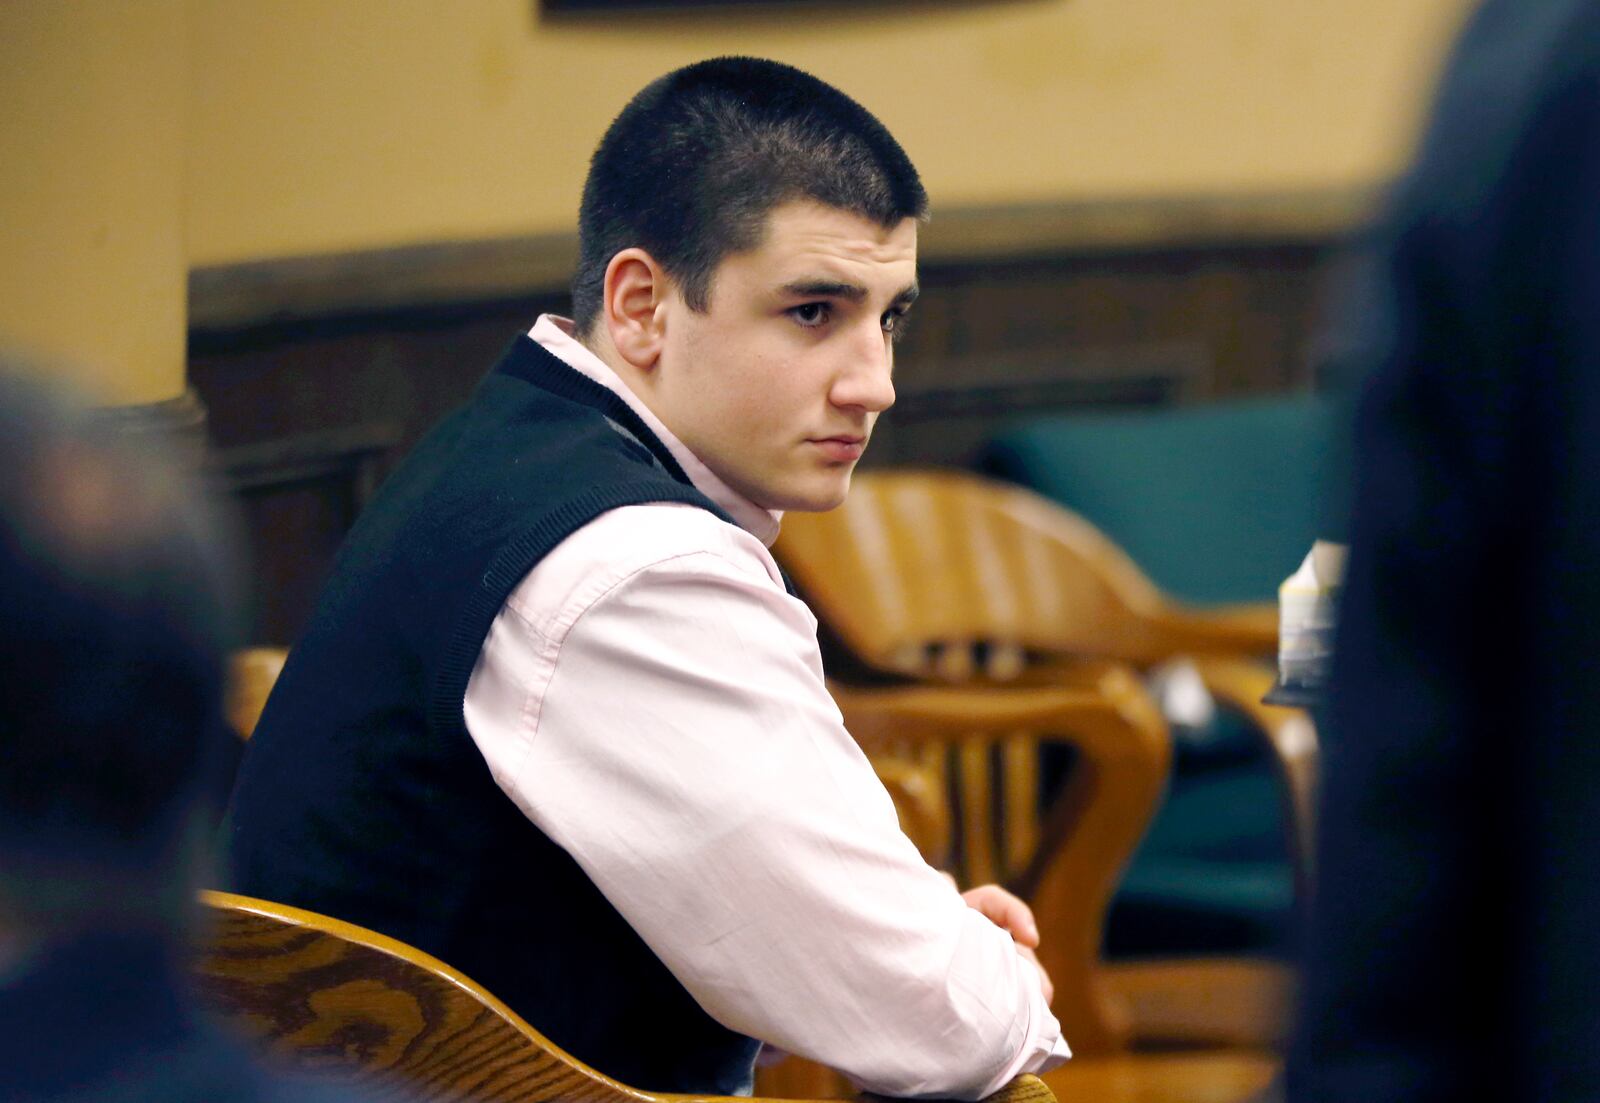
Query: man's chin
x=813, y=499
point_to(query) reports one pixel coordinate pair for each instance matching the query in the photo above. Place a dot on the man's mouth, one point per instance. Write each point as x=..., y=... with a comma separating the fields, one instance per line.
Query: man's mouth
x=841, y=449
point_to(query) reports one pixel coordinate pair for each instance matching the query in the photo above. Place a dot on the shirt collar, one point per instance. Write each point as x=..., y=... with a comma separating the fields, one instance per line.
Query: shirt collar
x=555, y=334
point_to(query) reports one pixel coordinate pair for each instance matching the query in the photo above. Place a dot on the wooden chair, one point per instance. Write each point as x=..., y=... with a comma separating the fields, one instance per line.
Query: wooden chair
x=251, y=674
x=335, y=999
x=947, y=578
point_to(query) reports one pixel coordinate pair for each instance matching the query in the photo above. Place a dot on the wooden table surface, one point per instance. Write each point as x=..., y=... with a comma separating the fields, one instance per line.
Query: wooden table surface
x=1238, y=1076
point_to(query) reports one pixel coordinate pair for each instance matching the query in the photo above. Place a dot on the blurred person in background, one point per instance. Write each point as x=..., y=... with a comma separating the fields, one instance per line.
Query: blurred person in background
x=1455, y=934
x=114, y=622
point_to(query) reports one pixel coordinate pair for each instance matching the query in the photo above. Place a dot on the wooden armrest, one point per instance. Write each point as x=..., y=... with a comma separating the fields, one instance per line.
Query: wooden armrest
x=797, y=1080
x=1024, y=1089
x=1291, y=737
x=1228, y=1076
x=1250, y=630
x=899, y=716
x=1232, y=1003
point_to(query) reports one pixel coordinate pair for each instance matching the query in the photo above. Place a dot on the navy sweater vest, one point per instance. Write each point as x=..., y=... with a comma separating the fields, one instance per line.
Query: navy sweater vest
x=363, y=797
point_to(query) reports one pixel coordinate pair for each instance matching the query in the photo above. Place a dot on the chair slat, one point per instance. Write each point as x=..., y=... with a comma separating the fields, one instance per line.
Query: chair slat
x=976, y=780
x=1019, y=787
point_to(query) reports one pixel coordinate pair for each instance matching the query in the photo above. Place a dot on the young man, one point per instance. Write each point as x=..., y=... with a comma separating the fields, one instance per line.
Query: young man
x=565, y=598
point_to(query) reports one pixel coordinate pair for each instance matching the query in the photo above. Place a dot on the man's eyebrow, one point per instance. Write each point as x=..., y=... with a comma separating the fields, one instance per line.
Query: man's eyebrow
x=838, y=289
x=825, y=289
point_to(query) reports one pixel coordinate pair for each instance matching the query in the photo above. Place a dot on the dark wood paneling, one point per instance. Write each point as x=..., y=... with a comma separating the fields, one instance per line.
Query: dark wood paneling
x=991, y=340
x=307, y=417
x=996, y=341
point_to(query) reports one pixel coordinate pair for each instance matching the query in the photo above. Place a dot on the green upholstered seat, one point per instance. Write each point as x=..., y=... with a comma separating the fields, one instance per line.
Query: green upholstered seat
x=1216, y=502
x=1213, y=875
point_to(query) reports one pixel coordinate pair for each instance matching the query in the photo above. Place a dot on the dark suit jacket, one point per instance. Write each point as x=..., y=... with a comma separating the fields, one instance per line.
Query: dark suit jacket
x=104, y=1020
x=1455, y=936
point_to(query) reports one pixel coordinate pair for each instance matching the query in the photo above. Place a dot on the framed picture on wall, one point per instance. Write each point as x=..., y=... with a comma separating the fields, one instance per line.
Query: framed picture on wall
x=580, y=6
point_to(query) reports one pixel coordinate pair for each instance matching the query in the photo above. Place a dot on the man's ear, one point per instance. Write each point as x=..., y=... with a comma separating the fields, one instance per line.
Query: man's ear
x=635, y=290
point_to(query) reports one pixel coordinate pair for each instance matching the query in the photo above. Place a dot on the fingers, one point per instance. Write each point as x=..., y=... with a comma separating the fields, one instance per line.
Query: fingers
x=1005, y=911
x=1009, y=913
x=1045, y=986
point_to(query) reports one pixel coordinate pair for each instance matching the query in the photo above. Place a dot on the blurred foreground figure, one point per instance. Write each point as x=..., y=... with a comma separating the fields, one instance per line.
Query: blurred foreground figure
x=1455, y=948
x=113, y=627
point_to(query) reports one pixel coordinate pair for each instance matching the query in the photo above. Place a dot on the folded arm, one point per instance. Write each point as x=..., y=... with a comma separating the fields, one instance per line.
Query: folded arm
x=663, y=717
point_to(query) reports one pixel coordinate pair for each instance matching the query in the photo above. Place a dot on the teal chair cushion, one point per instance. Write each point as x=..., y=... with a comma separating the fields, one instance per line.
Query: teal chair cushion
x=1216, y=502
x=1213, y=876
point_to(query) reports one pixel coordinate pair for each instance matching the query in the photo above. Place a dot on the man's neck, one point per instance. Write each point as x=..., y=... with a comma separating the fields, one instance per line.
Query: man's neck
x=598, y=341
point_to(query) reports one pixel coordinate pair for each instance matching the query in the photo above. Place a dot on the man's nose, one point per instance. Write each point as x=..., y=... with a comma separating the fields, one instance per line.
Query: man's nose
x=867, y=379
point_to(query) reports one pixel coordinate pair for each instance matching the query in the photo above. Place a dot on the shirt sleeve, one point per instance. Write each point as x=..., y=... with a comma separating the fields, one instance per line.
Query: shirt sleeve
x=663, y=718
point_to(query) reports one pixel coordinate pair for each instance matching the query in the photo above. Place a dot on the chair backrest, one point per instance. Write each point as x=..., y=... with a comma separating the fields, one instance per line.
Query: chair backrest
x=944, y=574
x=341, y=1001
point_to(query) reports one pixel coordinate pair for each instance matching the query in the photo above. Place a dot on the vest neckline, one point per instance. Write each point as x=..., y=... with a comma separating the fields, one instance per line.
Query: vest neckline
x=532, y=363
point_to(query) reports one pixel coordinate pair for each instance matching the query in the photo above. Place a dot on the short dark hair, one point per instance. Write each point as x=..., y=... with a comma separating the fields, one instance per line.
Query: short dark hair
x=116, y=611
x=693, y=165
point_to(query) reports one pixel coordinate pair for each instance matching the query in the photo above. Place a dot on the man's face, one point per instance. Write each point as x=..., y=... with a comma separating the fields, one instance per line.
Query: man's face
x=776, y=386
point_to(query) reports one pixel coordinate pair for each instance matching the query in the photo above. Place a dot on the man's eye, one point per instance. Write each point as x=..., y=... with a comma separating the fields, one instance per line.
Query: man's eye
x=810, y=314
x=894, y=322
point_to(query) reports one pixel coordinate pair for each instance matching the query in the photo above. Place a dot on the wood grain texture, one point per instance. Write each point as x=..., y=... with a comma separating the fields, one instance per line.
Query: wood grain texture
x=449, y=271
x=340, y=1001
x=328, y=347
x=1008, y=569
x=1233, y=1077
x=1226, y=1002
x=352, y=1005
x=948, y=577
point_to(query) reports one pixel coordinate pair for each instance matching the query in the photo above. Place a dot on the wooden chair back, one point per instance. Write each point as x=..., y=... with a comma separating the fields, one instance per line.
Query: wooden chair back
x=950, y=578
x=346, y=1003
x=943, y=574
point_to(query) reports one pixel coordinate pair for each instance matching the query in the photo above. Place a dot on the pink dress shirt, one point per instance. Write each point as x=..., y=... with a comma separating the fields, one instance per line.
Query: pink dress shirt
x=652, y=699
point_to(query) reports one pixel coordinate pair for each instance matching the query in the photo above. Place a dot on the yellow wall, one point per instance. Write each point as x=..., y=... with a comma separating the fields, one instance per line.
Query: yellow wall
x=141, y=136
x=92, y=267
x=324, y=126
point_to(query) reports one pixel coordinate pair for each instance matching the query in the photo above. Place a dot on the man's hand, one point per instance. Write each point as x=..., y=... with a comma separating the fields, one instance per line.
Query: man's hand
x=1010, y=914
x=1005, y=911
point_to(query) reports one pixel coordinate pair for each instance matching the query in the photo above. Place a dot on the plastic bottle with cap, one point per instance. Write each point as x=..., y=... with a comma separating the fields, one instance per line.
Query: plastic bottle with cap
x=1307, y=605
